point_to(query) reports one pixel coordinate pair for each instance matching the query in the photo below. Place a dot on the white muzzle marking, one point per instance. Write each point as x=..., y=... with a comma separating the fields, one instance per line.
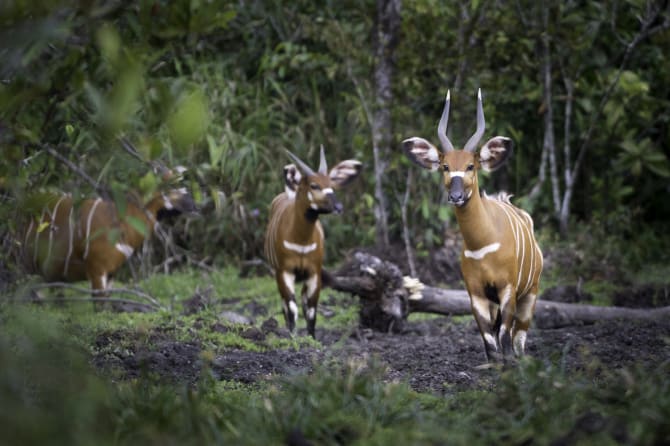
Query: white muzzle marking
x=481, y=252
x=300, y=249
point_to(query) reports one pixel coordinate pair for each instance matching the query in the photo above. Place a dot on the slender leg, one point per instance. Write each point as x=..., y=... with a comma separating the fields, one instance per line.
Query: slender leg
x=507, y=312
x=524, y=314
x=310, y=299
x=98, y=285
x=286, y=285
x=482, y=311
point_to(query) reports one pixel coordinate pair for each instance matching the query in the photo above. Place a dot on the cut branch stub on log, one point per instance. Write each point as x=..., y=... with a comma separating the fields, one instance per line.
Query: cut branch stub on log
x=387, y=299
x=379, y=284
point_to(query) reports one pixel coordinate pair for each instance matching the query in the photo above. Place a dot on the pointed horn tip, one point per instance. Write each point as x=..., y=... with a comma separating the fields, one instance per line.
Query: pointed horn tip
x=448, y=95
x=479, y=94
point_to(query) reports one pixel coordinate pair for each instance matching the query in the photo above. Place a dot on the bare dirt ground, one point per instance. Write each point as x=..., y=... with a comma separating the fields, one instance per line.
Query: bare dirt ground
x=439, y=355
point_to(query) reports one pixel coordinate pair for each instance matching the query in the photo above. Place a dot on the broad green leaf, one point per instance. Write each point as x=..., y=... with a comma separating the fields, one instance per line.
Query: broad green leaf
x=662, y=170
x=109, y=42
x=215, y=151
x=148, y=183
x=119, y=197
x=137, y=225
x=189, y=120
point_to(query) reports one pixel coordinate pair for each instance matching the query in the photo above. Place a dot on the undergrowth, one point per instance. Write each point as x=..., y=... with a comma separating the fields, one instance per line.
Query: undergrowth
x=50, y=395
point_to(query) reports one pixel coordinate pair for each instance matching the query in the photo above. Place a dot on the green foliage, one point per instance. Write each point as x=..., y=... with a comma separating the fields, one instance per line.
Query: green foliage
x=609, y=253
x=51, y=395
x=225, y=88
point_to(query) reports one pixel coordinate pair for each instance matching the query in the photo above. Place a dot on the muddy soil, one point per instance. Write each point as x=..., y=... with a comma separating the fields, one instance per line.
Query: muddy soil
x=439, y=355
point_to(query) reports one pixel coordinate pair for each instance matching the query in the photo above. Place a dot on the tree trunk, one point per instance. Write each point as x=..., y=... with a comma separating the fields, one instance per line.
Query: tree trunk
x=387, y=33
x=387, y=299
x=655, y=20
x=549, y=144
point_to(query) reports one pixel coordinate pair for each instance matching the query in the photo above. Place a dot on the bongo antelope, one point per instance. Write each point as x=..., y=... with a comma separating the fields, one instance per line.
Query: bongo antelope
x=501, y=261
x=90, y=241
x=294, y=243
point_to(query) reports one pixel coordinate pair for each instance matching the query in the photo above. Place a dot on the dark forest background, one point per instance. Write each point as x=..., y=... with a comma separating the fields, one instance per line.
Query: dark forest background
x=223, y=88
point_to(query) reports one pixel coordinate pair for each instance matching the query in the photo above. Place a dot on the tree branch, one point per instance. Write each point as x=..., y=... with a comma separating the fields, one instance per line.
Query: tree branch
x=646, y=30
x=100, y=189
x=152, y=301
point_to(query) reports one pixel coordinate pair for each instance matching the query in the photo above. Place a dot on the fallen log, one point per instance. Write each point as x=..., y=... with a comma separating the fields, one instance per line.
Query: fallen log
x=388, y=297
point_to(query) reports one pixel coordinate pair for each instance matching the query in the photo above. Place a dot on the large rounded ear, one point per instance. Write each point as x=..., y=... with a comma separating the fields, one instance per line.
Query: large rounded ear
x=345, y=172
x=495, y=153
x=422, y=152
x=292, y=178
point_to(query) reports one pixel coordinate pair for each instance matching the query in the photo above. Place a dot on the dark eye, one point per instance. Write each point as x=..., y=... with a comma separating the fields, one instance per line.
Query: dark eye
x=315, y=186
x=471, y=167
x=445, y=167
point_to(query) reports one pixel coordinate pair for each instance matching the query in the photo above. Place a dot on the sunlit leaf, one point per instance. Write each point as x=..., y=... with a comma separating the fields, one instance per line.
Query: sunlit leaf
x=137, y=225
x=189, y=120
x=109, y=42
x=43, y=226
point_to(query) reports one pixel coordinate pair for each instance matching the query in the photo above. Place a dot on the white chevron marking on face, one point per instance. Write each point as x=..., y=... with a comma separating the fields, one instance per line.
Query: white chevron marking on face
x=300, y=249
x=481, y=252
x=458, y=173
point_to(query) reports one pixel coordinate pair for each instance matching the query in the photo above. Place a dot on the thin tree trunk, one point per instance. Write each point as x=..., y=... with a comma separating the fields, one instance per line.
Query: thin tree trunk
x=386, y=41
x=549, y=144
x=649, y=25
x=405, y=224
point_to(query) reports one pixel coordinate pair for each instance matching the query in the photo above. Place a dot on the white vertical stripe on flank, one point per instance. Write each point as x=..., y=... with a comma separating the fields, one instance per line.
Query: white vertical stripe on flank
x=511, y=224
x=517, y=227
x=30, y=228
x=533, y=251
x=52, y=229
x=522, y=241
x=89, y=220
x=37, y=237
x=70, y=245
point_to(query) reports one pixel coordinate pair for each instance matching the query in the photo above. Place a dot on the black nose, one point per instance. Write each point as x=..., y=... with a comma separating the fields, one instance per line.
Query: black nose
x=456, y=196
x=335, y=204
x=456, y=191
